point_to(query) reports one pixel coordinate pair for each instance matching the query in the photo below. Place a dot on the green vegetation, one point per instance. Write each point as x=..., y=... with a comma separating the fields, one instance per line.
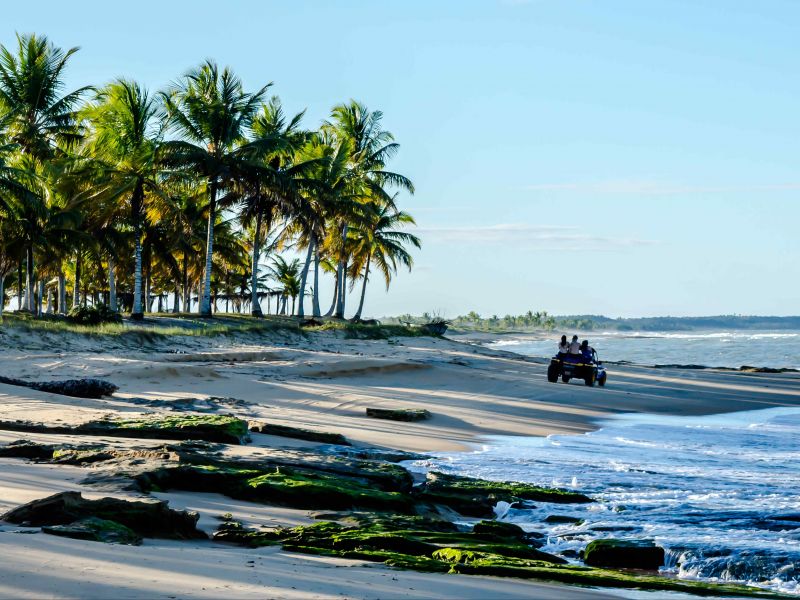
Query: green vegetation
x=623, y=554
x=541, y=320
x=478, y=497
x=323, y=437
x=96, y=530
x=387, y=541
x=179, y=199
x=284, y=485
x=361, y=331
x=146, y=519
x=211, y=428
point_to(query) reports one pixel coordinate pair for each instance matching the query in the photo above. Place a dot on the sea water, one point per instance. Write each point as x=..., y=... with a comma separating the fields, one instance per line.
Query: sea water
x=721, y=493
x=711, y=348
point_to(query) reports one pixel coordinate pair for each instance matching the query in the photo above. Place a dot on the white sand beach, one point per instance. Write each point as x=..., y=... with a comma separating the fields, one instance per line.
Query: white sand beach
x=321, y=383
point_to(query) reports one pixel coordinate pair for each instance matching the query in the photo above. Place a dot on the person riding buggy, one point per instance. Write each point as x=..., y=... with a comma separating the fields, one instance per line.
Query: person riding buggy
x=580, y=361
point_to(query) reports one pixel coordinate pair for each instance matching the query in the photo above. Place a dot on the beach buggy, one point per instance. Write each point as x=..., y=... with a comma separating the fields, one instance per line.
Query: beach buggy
x=576, y=366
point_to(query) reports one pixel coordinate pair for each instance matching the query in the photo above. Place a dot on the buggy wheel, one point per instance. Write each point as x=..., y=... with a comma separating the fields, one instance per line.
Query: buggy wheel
x=552, y=373
x=590, y=378
x=602, y=381
x=565, y=379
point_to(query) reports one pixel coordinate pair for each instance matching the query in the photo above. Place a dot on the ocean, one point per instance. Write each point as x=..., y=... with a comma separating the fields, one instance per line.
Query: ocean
x=720, y=493
x=733, y=349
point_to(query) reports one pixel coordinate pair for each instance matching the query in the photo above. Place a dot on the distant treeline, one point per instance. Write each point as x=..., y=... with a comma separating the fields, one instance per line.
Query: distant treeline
x=542, y=320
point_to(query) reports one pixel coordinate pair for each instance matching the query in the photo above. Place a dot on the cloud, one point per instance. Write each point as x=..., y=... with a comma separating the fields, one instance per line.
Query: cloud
x=655, y=188
x=543, y=237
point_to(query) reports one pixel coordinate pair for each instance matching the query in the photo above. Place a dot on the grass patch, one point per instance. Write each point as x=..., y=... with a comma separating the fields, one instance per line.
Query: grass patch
x=360, y=331
x=151, y=329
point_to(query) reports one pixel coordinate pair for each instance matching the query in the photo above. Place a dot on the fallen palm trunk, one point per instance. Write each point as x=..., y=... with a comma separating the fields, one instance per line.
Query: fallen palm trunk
x=77, y=388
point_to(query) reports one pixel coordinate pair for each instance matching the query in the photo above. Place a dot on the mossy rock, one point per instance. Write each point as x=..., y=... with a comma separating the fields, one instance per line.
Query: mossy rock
x=283, y=486
x=399, y=414
x=478, y=497
x=498, y=529
x=300, y=434
x=147, y=519
x=27, y=449
x=309, y=489
x=96, y=530
x=211, y=428
x=563, y=520
x=624, y=554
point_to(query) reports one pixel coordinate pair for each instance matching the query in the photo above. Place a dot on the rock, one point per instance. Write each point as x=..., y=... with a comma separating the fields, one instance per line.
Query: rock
x=96, y=530
x=298, y=433
x=399, y=414
x=147, y=519
x=78, y=388
x=558, y=519
x=624, y=554
x=212, y=428
x=495, y=529
x=27, y=449
x=478, y=497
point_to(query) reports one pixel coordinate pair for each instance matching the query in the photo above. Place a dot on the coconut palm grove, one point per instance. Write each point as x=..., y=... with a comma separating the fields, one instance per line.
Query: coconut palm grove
x=202, y=197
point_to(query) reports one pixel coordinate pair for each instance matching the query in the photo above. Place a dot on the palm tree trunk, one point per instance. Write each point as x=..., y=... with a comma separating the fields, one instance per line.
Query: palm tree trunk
x=176, y=299
x=304, y=278
x=112, y=284
x=187, y=293
x=50, y=307
x=62, y=293
x=357, y=316
x=138, y=310
x=39, y=298
x=342, y=280
x=205, y=304
x=19, y=282
x=335, y=295
x=315, y=297
x=30, y=304
x=255, y=304
x=2, y=294
x=76, y=293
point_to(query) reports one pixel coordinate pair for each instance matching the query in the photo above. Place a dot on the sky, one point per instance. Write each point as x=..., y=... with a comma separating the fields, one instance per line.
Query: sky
x=621, y=157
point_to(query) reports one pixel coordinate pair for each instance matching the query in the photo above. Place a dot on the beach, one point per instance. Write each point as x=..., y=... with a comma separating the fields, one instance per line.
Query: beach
x=321, y=382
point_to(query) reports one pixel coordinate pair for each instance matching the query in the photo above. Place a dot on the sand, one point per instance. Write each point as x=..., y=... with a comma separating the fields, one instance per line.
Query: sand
x=323, y=383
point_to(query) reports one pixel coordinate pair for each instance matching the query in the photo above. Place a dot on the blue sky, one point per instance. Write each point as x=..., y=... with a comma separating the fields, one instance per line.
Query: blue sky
x=620, y=157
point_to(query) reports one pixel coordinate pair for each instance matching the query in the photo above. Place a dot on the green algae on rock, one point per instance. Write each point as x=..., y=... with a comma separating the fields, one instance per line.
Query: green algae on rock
x=211, y=428
x=478, y=497
x=96, y=530
x=300, y=434
x=458, y=552
x=147, y=519
x=624, y=554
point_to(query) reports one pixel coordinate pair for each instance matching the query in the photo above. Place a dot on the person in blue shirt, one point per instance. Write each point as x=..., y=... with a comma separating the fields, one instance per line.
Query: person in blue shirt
x=587, y=352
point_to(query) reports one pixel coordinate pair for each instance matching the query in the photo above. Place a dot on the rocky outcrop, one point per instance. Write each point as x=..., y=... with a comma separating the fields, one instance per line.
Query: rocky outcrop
x=77, y=388
x=147, y=519
x=624, y=554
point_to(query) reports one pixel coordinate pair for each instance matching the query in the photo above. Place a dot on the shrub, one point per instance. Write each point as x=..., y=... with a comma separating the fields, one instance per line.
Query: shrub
x=93, y=315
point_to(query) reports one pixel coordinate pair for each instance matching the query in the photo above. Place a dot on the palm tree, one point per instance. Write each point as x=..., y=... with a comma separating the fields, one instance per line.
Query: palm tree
x=124, y=137
x=382, y=243
x=38, y=118
x=211, y=113
x=371, y=147
x=271, y=179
